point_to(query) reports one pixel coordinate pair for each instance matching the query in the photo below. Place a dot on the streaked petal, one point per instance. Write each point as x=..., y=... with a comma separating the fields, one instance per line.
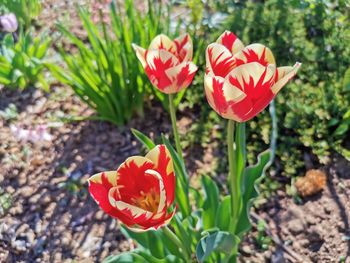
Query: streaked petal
x=253, y=78
x=284, y=74
x=134, y=211
x=221, y=95
x=163, y=222
x=99, y=187
x=161, y=157
x=157, y=62
x=180, y=76
x=163, y=42
x=230, y=41
x=140, y=53
x=184, y=47
x=162, y=195
x=106, y=178
x=255, y=53
x=219, y=60
x=133, y=178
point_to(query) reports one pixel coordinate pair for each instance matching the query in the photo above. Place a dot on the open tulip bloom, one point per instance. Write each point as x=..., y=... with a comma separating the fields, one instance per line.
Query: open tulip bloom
x=241, y=81
x=140, y=192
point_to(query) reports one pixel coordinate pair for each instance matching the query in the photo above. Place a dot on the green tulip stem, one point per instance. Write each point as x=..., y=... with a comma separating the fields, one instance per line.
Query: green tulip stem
x=173, y=123
x=232, y=178
x=171, y=235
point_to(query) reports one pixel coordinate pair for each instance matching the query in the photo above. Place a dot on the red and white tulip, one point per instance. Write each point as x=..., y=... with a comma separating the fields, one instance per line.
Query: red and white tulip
x=167, y=63
x=241, y=81
x=140, y=192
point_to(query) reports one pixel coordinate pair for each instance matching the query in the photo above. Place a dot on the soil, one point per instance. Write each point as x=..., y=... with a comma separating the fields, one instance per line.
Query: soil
x=52, y=218
x=316, y=229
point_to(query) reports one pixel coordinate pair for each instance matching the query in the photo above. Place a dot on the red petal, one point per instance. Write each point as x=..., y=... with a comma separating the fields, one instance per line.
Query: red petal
x=99, y=191
x=219, y=60
x=157, y=62
x=164, y=166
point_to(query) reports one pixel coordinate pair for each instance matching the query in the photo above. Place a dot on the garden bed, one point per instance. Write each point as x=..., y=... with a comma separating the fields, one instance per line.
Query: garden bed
x=52, y=218
x=47, y=214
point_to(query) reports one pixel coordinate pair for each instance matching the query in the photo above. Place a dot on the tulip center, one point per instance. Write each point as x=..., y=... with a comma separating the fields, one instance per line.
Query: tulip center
x=148, y=201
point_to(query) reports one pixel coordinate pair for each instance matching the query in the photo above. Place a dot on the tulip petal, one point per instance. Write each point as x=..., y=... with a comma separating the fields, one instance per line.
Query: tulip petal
x=230, y=41
x=99, y=187
x=180, y=76
x=219, y=60
x=184, y=47
x=284, y=74
x=255, y=53
x=162, y=196
x=163, y=222
x=160, y=156
x=221, y=95
x=163, y=42
x=157, y=62
x=255, y=81
x=140, y=53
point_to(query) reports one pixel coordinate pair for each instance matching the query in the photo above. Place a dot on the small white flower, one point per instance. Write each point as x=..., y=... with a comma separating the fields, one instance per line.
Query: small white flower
x=36, y=134
x=8, y=23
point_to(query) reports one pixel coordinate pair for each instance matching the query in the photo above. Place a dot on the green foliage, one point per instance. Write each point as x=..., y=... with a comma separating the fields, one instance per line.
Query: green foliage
x=311, y=108
x=9, y=113
x=263, y=240
x=25, y=10
x=252, y=175
x=211, y=202
x=106, y=74
x=5, y=202
x=140, y=256
x=22, y=64
x=219, y=241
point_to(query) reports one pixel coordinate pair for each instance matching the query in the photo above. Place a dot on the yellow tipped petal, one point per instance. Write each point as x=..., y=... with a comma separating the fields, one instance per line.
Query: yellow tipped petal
x=255, y=53
x=284, y=75
x=140, y=53
x=184, y=47
x=111, y=176
x=162, y=42
x=230, y=41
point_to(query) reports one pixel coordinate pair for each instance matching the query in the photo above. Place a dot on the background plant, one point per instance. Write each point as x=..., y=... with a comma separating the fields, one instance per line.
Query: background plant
x=22, y=63
x=25, y=10
x=105, y=73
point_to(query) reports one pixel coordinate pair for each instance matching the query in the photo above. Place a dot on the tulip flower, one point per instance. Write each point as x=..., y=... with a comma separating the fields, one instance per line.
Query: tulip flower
x=168, y=63
x=140, y=192
x=8, y=23
x=241, y=81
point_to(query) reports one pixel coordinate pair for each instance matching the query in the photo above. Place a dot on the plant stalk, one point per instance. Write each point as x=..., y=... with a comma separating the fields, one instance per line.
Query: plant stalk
x=171, y=235
x=173, y=123
x=234, y=184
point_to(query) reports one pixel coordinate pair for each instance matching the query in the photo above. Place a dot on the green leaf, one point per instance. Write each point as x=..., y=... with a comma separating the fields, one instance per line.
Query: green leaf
x=223, y=219
x=219, y=241
x=342, y=129
x=144, y=139
x=346, y=80
x=252, y=175
x=140, y=256
x=182, y=185
x=182, y=230
x=211, y=202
